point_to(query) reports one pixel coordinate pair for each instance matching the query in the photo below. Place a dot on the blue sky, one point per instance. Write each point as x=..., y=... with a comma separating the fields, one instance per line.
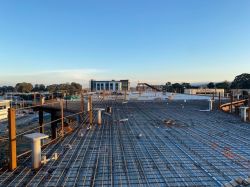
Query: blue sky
x=54, y=41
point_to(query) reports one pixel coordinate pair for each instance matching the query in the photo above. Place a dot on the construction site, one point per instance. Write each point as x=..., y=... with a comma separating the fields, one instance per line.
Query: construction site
x=154, y=140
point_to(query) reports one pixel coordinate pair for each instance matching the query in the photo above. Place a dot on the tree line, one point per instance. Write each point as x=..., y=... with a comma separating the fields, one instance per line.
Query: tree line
x=240, y=82
x=25, y=87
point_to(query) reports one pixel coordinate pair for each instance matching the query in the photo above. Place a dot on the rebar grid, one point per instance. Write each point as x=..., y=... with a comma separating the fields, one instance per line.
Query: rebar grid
x=197, y=149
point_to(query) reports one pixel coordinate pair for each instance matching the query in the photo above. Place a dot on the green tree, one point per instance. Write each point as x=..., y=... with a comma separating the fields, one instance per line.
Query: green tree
x=76, y=87
x=168, y=87
x=177, y=87
x=5, y=89
x=52, y=88
x=186, y=85
x=39, y=88
x=223, y=85
x=241, y=81
x=210, y=85
x=24, y=87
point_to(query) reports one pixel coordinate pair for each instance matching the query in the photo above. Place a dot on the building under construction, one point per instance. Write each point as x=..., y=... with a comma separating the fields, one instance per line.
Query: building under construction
x=145, y=143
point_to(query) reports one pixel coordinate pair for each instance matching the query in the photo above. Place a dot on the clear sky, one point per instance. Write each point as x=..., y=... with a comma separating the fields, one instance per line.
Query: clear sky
x=54, y=41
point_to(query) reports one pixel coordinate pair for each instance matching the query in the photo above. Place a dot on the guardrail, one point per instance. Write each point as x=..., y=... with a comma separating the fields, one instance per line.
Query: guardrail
x=61, y=119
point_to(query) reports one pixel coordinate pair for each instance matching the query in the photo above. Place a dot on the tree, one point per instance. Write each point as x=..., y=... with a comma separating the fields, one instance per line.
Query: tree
x=177, y=87
x=210, y=85
x=241, y=81
x=76, y=87
x=70, y=89
x=168, y=87
x=186, y=85
x=52, y=88
x=5, y=89
x=39, y=88
x=223, y=85
x=24, y=87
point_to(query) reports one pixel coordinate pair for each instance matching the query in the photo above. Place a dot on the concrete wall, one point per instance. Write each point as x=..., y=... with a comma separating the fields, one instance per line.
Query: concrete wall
x=240, y=91
x=4, y=106
x=204, y=91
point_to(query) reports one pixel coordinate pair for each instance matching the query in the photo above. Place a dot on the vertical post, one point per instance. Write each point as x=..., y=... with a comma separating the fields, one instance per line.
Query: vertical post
x=62, y=117
x=36, y=153
x=210, y=104
x=82, y=107
x=99, y=121
x=90, y=111
x=34, y=98
x=125, y=95
x=41, y=121
x=41, y=116
x=243, y=113
x=66, y=100
x=12, y=138
x=231, y=105
x=52, y=98
x=53, y=125
x=82, y=103
x=219, y=100
x=249, y=114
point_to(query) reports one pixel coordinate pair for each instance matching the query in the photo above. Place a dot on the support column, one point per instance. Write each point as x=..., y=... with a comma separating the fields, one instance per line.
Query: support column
x=243, y=113
x=219, y=100
x=41, y=115
x=249, y=114
x=82, y=103
x=41, y=121
x=90, y=110
x=99, y=122
x=34, y=98
x=36, y=148
x=99, y=115
x=238, y=97
x=12, y=139
x=82, y=107
x=231, y=105
x=125, y=95
x=53, y=125
x=210, y=104
x=62, y=116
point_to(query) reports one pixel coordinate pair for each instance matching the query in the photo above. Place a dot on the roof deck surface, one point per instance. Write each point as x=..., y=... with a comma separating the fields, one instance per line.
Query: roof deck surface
x=191, y=148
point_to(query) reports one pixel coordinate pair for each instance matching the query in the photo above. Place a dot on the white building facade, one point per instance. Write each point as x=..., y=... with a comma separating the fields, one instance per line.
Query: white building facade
x=113, y=86
x=205, y=91
x=4, y=106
